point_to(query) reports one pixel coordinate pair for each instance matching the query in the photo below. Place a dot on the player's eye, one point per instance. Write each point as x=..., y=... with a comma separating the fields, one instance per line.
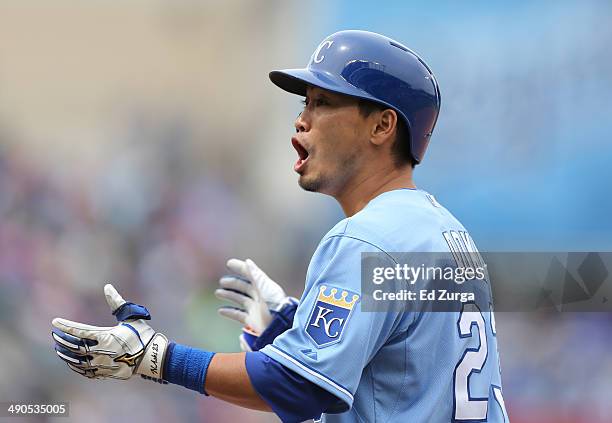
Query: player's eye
x=317, y=102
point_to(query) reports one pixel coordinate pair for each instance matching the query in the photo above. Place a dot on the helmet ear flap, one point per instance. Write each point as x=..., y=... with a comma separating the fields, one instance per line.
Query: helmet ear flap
x=373, y=67
x=402, y=148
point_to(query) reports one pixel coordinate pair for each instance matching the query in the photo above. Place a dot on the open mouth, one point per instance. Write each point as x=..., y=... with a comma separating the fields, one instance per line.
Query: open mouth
x=302, y=155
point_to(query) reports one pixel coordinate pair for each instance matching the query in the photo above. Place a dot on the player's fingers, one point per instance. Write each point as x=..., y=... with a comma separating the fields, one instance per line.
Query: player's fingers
x=237, y=284
x=254, y=270
x=113, y=299
x=234, y=314
x=76, y=369
x=234, y=297
x=70, y=356
x=89, y=372
x=102, y=359
x=267, y=289
x=257, y=276
x=237, y=266
x=71, y=342
x=79, y=330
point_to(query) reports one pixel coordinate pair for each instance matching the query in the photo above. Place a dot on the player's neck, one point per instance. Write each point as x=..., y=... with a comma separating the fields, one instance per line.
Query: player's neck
x=362, y=189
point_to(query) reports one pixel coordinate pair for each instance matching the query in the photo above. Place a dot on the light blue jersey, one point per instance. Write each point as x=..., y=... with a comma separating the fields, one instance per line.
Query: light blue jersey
x=391, y=366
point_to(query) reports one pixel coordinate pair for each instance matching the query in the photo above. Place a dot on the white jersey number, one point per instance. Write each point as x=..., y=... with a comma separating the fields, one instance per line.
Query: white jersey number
x=467, y=408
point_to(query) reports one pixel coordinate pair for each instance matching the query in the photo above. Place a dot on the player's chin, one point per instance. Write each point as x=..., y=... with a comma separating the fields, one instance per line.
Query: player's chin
x=309, y=182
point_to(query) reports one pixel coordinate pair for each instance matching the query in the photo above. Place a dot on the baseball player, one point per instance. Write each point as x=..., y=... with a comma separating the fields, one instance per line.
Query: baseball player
x=370, y=107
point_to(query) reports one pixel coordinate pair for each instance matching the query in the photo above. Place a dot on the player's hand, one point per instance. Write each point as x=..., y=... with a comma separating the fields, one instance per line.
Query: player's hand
x=115, y=352
x=254, y=294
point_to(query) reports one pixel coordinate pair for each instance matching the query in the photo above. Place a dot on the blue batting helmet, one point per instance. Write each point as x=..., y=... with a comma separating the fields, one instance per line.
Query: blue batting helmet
x=373, y=67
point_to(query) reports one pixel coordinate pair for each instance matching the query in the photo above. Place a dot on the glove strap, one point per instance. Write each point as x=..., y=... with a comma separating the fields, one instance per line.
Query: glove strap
x=131, y=311
x=152, y=364
x=281, y=321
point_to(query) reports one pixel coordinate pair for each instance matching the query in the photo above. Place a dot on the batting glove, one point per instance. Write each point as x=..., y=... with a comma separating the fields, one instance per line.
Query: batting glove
x=117, y=352
x=257, y=297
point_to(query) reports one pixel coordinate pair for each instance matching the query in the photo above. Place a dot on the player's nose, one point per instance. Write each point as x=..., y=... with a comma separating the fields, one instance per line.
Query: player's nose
x=301, y=124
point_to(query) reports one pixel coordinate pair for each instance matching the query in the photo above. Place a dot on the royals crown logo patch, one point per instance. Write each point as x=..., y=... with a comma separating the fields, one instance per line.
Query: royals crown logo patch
x=330, y=315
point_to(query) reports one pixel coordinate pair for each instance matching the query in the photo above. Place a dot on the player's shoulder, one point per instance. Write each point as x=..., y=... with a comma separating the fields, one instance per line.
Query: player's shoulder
x=398, y=220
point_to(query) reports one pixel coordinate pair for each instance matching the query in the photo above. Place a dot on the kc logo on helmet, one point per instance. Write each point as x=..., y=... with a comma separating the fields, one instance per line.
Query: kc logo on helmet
x=330, y=316
x=317, y=57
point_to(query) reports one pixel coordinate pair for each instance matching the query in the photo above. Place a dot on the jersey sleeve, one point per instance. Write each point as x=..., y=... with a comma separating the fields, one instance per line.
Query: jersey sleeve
x=332, y=340
x=292, y=397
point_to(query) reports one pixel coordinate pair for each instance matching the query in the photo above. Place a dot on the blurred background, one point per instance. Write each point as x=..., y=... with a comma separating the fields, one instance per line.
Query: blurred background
x=141, y=143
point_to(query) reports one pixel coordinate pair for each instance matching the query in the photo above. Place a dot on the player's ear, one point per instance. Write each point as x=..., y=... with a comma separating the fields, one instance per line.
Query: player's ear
x=383, y=126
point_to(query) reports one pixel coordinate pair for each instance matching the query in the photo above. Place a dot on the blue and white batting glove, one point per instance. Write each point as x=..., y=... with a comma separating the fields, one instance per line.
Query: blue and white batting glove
x=117, y=352
x=258, y=299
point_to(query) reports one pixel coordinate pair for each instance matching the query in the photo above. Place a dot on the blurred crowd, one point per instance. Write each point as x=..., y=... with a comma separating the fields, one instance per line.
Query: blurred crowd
x=146, y=221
